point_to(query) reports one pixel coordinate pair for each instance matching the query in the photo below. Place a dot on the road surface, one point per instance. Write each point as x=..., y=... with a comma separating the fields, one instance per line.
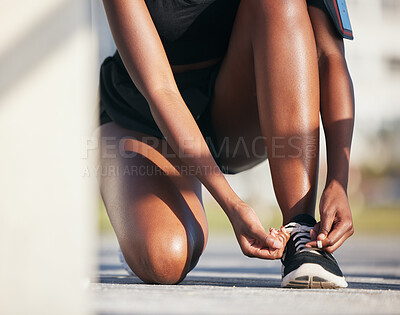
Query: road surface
x=226, y=282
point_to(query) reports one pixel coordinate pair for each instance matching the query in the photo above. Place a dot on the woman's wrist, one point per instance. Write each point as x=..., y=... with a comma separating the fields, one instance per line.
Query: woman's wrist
x=231, y=205
x=223, y=193
x=337, y=179
x=338, y=168
x=336, y=183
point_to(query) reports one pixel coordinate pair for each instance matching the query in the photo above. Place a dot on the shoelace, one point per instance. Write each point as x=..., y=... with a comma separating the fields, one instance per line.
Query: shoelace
x=300, y=233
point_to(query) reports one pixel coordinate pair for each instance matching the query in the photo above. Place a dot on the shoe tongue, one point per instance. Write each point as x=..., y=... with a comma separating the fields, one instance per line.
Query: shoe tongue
x=304, y=219
x=299, y=228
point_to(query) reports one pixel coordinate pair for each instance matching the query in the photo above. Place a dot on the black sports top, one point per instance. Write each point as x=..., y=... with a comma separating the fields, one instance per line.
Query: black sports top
x=196, y=30
x=193, y=30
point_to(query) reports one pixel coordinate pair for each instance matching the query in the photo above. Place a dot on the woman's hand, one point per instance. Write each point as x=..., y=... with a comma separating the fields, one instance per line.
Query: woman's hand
x=252, y=237
x=336, y=223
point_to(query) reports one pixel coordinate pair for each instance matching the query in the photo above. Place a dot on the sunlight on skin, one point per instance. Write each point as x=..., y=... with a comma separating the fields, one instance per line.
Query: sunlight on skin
x=151, y=153
x=135, y=146
x=167, y=169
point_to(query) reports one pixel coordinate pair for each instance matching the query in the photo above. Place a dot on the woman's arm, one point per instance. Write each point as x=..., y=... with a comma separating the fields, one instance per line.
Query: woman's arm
x=144, y=57
x=142, y=52
x=337, y=112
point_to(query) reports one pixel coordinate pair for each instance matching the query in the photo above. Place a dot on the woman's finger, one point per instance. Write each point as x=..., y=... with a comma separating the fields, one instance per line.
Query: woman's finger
x=284, y=237
x=266, y=240
x=281, y=238
x=253, y=250
x=273, y=242
x=285, y=233
x=327, y=219
x=331, y=249
x=273, y=231
x=322, y=229
x=335, y=238
x=338, y=231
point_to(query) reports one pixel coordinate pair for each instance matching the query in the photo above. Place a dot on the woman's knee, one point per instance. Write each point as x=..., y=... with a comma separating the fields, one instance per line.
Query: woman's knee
x=163, y=260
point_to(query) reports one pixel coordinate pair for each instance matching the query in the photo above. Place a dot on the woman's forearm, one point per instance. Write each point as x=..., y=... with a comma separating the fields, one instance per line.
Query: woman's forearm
x=183, y=135
x=337, y=111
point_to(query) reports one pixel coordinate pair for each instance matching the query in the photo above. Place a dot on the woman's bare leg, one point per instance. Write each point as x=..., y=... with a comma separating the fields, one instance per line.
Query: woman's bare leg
x=268, y=85
x=154, y=205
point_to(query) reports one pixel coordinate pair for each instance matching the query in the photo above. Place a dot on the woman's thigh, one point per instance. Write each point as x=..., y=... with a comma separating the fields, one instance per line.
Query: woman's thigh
x=154, y=204
x=235, y=108
x=234, y=104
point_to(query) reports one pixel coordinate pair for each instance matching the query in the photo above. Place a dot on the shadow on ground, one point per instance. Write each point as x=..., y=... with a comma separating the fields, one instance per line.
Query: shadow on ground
x=237, y=277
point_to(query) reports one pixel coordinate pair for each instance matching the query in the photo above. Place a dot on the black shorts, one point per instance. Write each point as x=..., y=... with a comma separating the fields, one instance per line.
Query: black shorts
x=121, y=101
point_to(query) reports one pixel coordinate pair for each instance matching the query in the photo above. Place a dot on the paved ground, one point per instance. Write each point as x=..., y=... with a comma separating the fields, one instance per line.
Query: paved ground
x=226, y=282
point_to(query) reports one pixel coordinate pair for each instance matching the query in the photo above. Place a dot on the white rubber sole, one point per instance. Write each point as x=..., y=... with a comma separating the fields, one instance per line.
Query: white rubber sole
x=312, y=276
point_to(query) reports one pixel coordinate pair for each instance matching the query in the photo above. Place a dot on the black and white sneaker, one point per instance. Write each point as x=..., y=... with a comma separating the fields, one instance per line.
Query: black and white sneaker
x=308, y=267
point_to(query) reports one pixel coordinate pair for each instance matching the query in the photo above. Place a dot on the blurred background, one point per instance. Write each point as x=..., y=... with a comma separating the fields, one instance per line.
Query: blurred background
x=50, y=54
x=374, y=187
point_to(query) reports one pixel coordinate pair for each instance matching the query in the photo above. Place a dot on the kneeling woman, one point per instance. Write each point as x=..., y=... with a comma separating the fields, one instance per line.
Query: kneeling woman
x=201, y=88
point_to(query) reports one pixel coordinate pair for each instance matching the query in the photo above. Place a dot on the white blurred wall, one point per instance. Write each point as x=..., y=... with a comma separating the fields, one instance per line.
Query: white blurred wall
x=374, y=62
x=48, y=86
x=106, y=46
